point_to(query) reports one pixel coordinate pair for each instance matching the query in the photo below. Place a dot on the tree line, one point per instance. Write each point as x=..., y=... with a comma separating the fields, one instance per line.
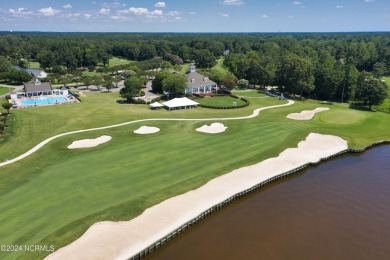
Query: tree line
x=322, y=65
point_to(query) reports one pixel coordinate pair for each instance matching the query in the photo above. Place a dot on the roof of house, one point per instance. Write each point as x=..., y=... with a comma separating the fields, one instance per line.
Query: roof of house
x=180, y=102
x=35, y=72
x=194, y=79
x=37, y=87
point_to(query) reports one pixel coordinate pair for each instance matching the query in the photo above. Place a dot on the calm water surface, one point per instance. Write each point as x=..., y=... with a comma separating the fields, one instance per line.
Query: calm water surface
x=338, y=210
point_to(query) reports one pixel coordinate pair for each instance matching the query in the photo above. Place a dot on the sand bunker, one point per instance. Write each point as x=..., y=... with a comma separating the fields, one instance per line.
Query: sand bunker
x=88, y=143
x=214, y=128
x=121, y=240
x=145, y=130
x=307, y=114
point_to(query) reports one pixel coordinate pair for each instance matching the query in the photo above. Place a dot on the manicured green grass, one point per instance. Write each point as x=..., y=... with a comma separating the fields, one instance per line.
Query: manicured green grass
x=5, y=90
x=250, y=93
x=220, y=101
x=344, y=117
x=54, y=195
x=119, y=61
x=219, y=66
x=34, y=65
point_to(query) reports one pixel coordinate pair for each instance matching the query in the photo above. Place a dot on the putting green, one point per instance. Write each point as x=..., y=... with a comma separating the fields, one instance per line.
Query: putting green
x=343, y=117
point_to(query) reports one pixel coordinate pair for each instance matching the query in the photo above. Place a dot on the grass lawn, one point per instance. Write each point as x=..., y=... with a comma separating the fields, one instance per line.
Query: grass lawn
x=219, y=66
x=119, y=61
x=34, y=65
x=249, y=93
x=222, y=101
x=54, y=195
x=5, y=90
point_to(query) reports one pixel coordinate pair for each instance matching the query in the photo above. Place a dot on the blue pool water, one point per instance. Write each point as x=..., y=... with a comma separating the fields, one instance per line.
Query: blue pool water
x=43, y=101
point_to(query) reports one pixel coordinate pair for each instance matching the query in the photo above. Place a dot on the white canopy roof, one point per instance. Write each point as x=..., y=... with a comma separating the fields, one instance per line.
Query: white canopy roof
x=180, y=102
x=156, y=104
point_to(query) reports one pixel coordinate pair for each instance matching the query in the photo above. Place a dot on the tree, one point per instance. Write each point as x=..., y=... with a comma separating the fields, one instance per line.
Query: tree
x=147, y=51
x=379, y=69
x=328, y=76
x=295, y=74
x=7, y=106
x=97, y=81
x=66, y=79
x=204, y=58
x=243, y=83
x=108, y=82
x=229, y=81
x=133, y=86
x=349, y=83
x=47, y=59
x=174, y=85
x=87, y=80
x=5, y=64
x=18, y=76
x=157, y=85
x=116, y=79
x=370, y=91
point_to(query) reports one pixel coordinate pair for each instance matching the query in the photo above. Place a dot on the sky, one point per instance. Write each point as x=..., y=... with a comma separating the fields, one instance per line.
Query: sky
x=195, y=15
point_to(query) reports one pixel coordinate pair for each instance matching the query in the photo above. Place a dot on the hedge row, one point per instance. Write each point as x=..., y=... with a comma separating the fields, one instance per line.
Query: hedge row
x=229, y=107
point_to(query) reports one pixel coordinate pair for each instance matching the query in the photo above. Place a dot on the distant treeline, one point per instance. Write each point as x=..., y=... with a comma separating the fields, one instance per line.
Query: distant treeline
x=325, y=65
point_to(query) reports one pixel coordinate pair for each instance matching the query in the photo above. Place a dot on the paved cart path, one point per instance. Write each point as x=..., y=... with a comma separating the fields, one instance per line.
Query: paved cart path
x=255, y=113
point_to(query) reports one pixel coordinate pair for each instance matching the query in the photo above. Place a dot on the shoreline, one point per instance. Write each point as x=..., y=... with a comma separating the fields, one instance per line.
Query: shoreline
x=135, y=238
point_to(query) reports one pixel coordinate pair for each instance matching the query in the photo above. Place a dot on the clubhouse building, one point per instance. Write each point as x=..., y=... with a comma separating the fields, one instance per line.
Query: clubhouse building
x=198, y=84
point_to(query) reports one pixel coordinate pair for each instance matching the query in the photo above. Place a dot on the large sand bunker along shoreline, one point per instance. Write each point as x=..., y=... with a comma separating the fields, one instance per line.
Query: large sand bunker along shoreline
x=121, y=240
x=88, y=143
x=306, y=114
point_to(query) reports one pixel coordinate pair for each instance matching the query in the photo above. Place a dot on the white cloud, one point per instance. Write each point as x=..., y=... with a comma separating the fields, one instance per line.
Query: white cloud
x=264, y=16
x=339, y=6
x=20, y=11
x=111, y=5
x=87, y=16
x=157, y=12
x=68, y=6
x=297, y=3
x=160, y=4
x=192, y=13
x=49, y=11
x=223, y=15
x=104, y=11
x=368, y=1
x=173, y=13
x=138, y=10
x=233, y=2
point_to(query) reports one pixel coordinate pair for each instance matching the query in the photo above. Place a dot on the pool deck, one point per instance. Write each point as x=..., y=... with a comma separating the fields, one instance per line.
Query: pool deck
x=18, y=102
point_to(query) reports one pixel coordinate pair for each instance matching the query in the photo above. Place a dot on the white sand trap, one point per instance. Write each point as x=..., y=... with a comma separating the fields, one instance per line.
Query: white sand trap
x=121, y=240
x=307, y=114
x=145, y=130
x=214, y=128
x=88, y=143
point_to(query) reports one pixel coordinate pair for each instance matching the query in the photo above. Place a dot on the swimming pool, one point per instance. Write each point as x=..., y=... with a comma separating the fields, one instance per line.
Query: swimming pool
x=43, y=101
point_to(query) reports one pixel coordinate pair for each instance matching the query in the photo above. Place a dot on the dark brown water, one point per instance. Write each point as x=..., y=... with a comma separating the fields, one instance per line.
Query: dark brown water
x=338, y=210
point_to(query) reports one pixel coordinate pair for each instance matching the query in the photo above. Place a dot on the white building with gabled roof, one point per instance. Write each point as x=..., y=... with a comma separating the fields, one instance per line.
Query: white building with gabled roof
x=197, y=83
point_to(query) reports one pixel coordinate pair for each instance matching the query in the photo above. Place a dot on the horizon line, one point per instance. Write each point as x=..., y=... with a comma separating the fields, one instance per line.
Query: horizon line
x=200, y=32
